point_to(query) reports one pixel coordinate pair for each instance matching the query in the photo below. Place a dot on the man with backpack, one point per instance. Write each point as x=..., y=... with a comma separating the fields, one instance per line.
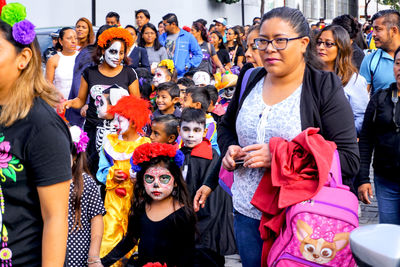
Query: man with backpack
x=377, y=67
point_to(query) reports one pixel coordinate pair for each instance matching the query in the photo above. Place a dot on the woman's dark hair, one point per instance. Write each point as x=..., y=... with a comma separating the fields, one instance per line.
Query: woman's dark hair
x=213, y=92
x=79, y=166
x=299, y=24
x=348, y=23
x=61, y=34
x=344, y=67
x=253, y=28
x=202, y=29
x=237, y=40
x=132, y=27
x=221, y=44
x=140, y=198
x=142, y=42
x=396, y=52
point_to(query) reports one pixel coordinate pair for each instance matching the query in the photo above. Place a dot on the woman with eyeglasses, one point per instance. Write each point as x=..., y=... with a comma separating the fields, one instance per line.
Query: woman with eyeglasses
x=380, y=135
x=155, y=51
x=288, y=95
x=335, y=50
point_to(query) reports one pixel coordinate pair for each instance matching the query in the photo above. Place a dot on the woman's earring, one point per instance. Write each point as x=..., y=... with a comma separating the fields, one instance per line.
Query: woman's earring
x=174, y=192
x=21, y=66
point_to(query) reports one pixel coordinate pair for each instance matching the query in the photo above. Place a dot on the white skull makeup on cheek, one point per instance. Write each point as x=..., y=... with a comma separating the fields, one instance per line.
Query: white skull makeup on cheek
x=192, y=133
x=158, y=182
x=121, y=124
x=159, y=77
x=111, y=55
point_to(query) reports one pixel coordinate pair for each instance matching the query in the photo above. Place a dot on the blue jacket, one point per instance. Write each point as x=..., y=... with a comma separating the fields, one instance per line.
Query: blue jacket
x=187, y=52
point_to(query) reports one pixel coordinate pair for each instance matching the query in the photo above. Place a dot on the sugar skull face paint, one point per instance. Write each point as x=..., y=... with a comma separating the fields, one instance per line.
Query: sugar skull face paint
x=159, y=77
x=158, y=182
x=121, y=124
x=192, y=133
x=114, y=54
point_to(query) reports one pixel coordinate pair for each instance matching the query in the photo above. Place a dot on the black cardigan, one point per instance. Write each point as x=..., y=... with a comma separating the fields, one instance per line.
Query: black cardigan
x=323, y=105
x=379, y=134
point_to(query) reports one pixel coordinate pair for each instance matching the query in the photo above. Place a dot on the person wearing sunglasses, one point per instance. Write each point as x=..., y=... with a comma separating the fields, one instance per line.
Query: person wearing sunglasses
x=289, y=94
x=335, y=50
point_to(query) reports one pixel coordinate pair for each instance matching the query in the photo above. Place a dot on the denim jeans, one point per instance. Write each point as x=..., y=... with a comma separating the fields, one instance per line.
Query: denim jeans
x=248, y=240
x=388, y=196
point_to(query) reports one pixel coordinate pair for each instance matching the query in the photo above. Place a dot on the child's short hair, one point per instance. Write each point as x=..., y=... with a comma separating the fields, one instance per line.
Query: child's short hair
x=171, y=124
x=185, y=82
x=171, y=87
x=189, y=74
x=200, y=94
x=213, y=92
x=192, y=114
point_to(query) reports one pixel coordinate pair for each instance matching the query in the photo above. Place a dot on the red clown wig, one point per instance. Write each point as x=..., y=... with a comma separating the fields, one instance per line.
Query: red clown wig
x=135, y=109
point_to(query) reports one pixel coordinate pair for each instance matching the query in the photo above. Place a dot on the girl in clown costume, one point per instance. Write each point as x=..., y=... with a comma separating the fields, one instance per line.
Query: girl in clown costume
x=131, y=114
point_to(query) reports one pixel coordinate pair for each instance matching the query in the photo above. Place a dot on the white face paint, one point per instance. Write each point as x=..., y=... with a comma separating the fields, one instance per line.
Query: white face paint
x=111, y=54
x=191, y=133
x=158, y=182
x=121, y=124
x=159, y=77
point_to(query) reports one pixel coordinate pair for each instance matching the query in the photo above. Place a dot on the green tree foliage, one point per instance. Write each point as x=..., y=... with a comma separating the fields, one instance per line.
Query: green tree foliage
x=395, y=4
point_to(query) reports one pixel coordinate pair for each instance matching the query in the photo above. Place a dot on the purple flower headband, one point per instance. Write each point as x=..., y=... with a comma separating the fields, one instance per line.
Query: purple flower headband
x=23, y=31
x=79, y=138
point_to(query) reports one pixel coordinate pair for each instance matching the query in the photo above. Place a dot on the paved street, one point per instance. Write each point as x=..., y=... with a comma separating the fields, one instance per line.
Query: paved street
x=369, y=215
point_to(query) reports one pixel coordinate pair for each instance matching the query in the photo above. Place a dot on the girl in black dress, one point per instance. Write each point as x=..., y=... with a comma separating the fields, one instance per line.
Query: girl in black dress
x=86, y=209
x=162, y=216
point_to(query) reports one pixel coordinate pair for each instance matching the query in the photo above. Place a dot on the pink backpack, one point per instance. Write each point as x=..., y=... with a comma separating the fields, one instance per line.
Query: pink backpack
x=317, y=230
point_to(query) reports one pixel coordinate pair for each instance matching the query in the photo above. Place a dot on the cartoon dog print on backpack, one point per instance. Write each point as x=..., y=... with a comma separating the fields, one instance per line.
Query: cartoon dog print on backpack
x=320, y=245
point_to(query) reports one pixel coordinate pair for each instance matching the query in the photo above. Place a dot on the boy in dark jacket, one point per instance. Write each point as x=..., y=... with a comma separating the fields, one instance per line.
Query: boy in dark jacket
x=215, y=221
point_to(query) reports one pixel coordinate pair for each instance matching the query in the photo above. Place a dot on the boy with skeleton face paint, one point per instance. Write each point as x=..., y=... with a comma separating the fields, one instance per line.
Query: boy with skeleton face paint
x=131, y=114
x=200, y=171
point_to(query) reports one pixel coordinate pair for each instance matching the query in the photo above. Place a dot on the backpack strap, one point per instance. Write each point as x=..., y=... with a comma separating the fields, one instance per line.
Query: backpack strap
x=244, y=82
x=373, y=66
x=140, y=58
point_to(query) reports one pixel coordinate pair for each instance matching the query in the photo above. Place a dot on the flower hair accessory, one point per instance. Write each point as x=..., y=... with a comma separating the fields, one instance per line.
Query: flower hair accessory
x=146, y=152
x=115, y=33
x=23, y=31
x=80, y=138
x=167, y=63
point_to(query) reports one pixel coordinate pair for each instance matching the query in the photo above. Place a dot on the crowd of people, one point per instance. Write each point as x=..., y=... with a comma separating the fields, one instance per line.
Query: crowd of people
x=151, y=119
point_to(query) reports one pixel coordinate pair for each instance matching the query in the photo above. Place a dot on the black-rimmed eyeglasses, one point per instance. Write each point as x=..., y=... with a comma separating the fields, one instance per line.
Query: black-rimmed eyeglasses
x=277, y=43
x=327, y=44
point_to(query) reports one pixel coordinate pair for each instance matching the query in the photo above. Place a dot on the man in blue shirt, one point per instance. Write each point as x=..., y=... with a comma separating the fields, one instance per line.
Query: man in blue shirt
x=377, y=67
x=181, y=46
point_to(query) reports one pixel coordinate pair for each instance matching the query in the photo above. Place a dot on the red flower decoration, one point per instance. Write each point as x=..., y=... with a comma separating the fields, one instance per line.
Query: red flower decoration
x=155, y=264
x=148, y=151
